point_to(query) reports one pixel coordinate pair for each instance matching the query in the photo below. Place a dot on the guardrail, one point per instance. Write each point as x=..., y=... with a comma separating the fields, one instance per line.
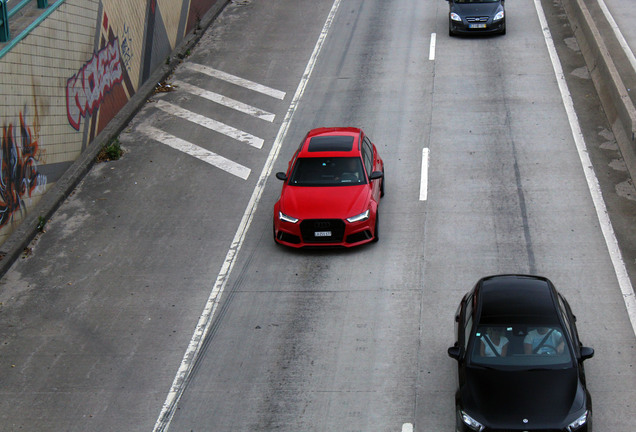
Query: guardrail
x=6, y=14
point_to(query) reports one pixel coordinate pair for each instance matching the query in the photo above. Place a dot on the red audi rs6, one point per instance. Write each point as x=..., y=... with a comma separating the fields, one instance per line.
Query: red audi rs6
x=331, y=191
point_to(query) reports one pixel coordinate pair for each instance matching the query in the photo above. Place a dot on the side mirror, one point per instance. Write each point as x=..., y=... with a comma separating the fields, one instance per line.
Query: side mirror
x=454, y=352
x=281, y=176
x=376, y=175
x=587, y=353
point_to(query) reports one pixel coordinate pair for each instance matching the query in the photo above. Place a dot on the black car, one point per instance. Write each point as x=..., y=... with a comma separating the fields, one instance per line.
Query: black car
x=519, y=358
x=476, y=16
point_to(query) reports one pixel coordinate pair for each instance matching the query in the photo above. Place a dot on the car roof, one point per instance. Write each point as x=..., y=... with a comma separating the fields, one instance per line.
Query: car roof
x=516, y=298
x=331, y=142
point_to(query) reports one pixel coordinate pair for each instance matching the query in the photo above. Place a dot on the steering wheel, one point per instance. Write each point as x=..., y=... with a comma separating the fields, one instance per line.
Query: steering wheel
x=546, y=350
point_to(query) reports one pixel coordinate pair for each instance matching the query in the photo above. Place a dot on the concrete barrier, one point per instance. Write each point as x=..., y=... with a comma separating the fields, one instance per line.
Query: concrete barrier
x=609, y=69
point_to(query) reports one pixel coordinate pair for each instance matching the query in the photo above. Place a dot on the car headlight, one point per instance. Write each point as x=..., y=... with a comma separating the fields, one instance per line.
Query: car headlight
x=455, y=17
x=359, y=218
x=471, y=422
x=499, y=16
x=578, y=422
x=285, y=218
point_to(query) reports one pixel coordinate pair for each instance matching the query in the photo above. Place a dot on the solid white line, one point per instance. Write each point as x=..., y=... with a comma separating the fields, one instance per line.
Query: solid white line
x=210, y=124
x=431, y=51
x=621, y=40
x=236, y=80
x=203, y=326
x=424, y=175
x=195, y=151
x=226, y=101
x=407, y=427
x=592, y=182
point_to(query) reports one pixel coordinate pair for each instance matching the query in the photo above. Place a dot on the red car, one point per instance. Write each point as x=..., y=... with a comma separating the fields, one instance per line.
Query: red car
x=331, y=191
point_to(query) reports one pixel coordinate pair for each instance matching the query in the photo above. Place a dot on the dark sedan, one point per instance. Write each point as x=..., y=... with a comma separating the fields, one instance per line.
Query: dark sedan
x=476, y=16
x=520, y=361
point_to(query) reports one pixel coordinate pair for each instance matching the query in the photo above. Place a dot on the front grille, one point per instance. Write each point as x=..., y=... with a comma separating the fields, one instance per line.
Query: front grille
x=309, y=228
x=524, y=430
x=482, y=19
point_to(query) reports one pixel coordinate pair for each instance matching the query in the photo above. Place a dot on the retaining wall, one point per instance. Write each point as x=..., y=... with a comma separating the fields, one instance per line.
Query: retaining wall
x=611, y=72
x=70, y=84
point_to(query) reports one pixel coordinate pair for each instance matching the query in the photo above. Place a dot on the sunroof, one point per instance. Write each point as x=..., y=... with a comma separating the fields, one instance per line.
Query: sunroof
x=330, y=144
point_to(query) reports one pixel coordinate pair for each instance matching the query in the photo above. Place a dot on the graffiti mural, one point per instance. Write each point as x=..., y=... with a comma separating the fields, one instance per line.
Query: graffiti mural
x=86, y=89
x=19, y=175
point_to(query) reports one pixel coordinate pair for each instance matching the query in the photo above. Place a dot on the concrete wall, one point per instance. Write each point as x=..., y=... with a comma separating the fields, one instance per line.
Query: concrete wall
x=64, y=82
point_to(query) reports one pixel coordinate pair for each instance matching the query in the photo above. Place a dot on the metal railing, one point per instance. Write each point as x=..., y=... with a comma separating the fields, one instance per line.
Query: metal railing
x=6, y=12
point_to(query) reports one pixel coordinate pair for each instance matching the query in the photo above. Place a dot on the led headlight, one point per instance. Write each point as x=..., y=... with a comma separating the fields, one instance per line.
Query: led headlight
x=285, y=218
x=360, y=217
x=578, y=422
x=471, y=422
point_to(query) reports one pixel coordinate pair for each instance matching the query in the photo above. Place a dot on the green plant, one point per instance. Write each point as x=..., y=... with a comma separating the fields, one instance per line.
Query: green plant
x=111, y=150
x=41, y=223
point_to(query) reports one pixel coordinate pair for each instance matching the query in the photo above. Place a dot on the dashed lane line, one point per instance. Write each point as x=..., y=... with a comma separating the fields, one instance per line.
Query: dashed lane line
x=215, y=73
x=195, y=151
x=225, y=101
x=210, y=124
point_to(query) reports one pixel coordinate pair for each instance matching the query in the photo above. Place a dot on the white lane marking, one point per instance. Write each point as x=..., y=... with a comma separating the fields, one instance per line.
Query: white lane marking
x=236, y=80
x=424, y=175
x=210, y=124
x=621, y=40
x=205, y=321
x=195, y=151
x=431, y=50
x=407, y=427
x=226, y=101
x=592, y=182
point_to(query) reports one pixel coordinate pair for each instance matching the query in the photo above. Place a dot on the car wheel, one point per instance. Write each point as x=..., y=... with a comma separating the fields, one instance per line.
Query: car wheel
x=450, y=32
x=382, y=185
x=503, y=32
x=376, y=233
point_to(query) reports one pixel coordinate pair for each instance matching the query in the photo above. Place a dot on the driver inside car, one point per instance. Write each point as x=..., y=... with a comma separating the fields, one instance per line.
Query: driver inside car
x=544, y=340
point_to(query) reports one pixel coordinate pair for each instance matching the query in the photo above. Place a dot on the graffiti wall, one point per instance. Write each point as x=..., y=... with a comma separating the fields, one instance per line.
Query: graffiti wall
x=66, y=80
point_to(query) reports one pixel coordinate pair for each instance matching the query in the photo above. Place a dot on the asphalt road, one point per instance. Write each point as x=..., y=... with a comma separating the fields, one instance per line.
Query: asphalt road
x=157, y=299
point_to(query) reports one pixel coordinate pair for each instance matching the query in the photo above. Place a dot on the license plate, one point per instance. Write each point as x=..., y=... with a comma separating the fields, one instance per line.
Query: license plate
x=322, y=234
x=476, y=25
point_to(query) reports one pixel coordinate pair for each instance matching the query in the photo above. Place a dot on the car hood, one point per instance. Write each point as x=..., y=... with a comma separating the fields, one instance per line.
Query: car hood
x=475, y=9
x=503, y=399
x=336, y=202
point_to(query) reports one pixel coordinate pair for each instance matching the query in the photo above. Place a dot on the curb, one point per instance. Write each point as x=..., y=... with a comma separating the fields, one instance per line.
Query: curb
x=617, y=104
x=20, y=238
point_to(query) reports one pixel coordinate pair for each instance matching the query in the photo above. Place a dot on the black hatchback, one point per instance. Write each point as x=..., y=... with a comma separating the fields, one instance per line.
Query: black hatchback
x=476, y=16
x=520, y=361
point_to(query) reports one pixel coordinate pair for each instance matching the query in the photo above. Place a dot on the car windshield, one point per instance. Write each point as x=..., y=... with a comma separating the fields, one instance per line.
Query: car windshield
x=328, y=171
x=541, y=346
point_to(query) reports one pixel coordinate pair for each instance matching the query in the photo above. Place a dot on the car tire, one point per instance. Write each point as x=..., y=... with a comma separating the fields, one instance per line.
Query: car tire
x=274, y=233
x=503, y=32
x=382, y=184
x=376, y=235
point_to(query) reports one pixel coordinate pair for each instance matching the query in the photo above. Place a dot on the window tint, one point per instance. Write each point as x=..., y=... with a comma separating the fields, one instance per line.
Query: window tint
x=333, y=171
x=367, y=155
x=526, y=346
